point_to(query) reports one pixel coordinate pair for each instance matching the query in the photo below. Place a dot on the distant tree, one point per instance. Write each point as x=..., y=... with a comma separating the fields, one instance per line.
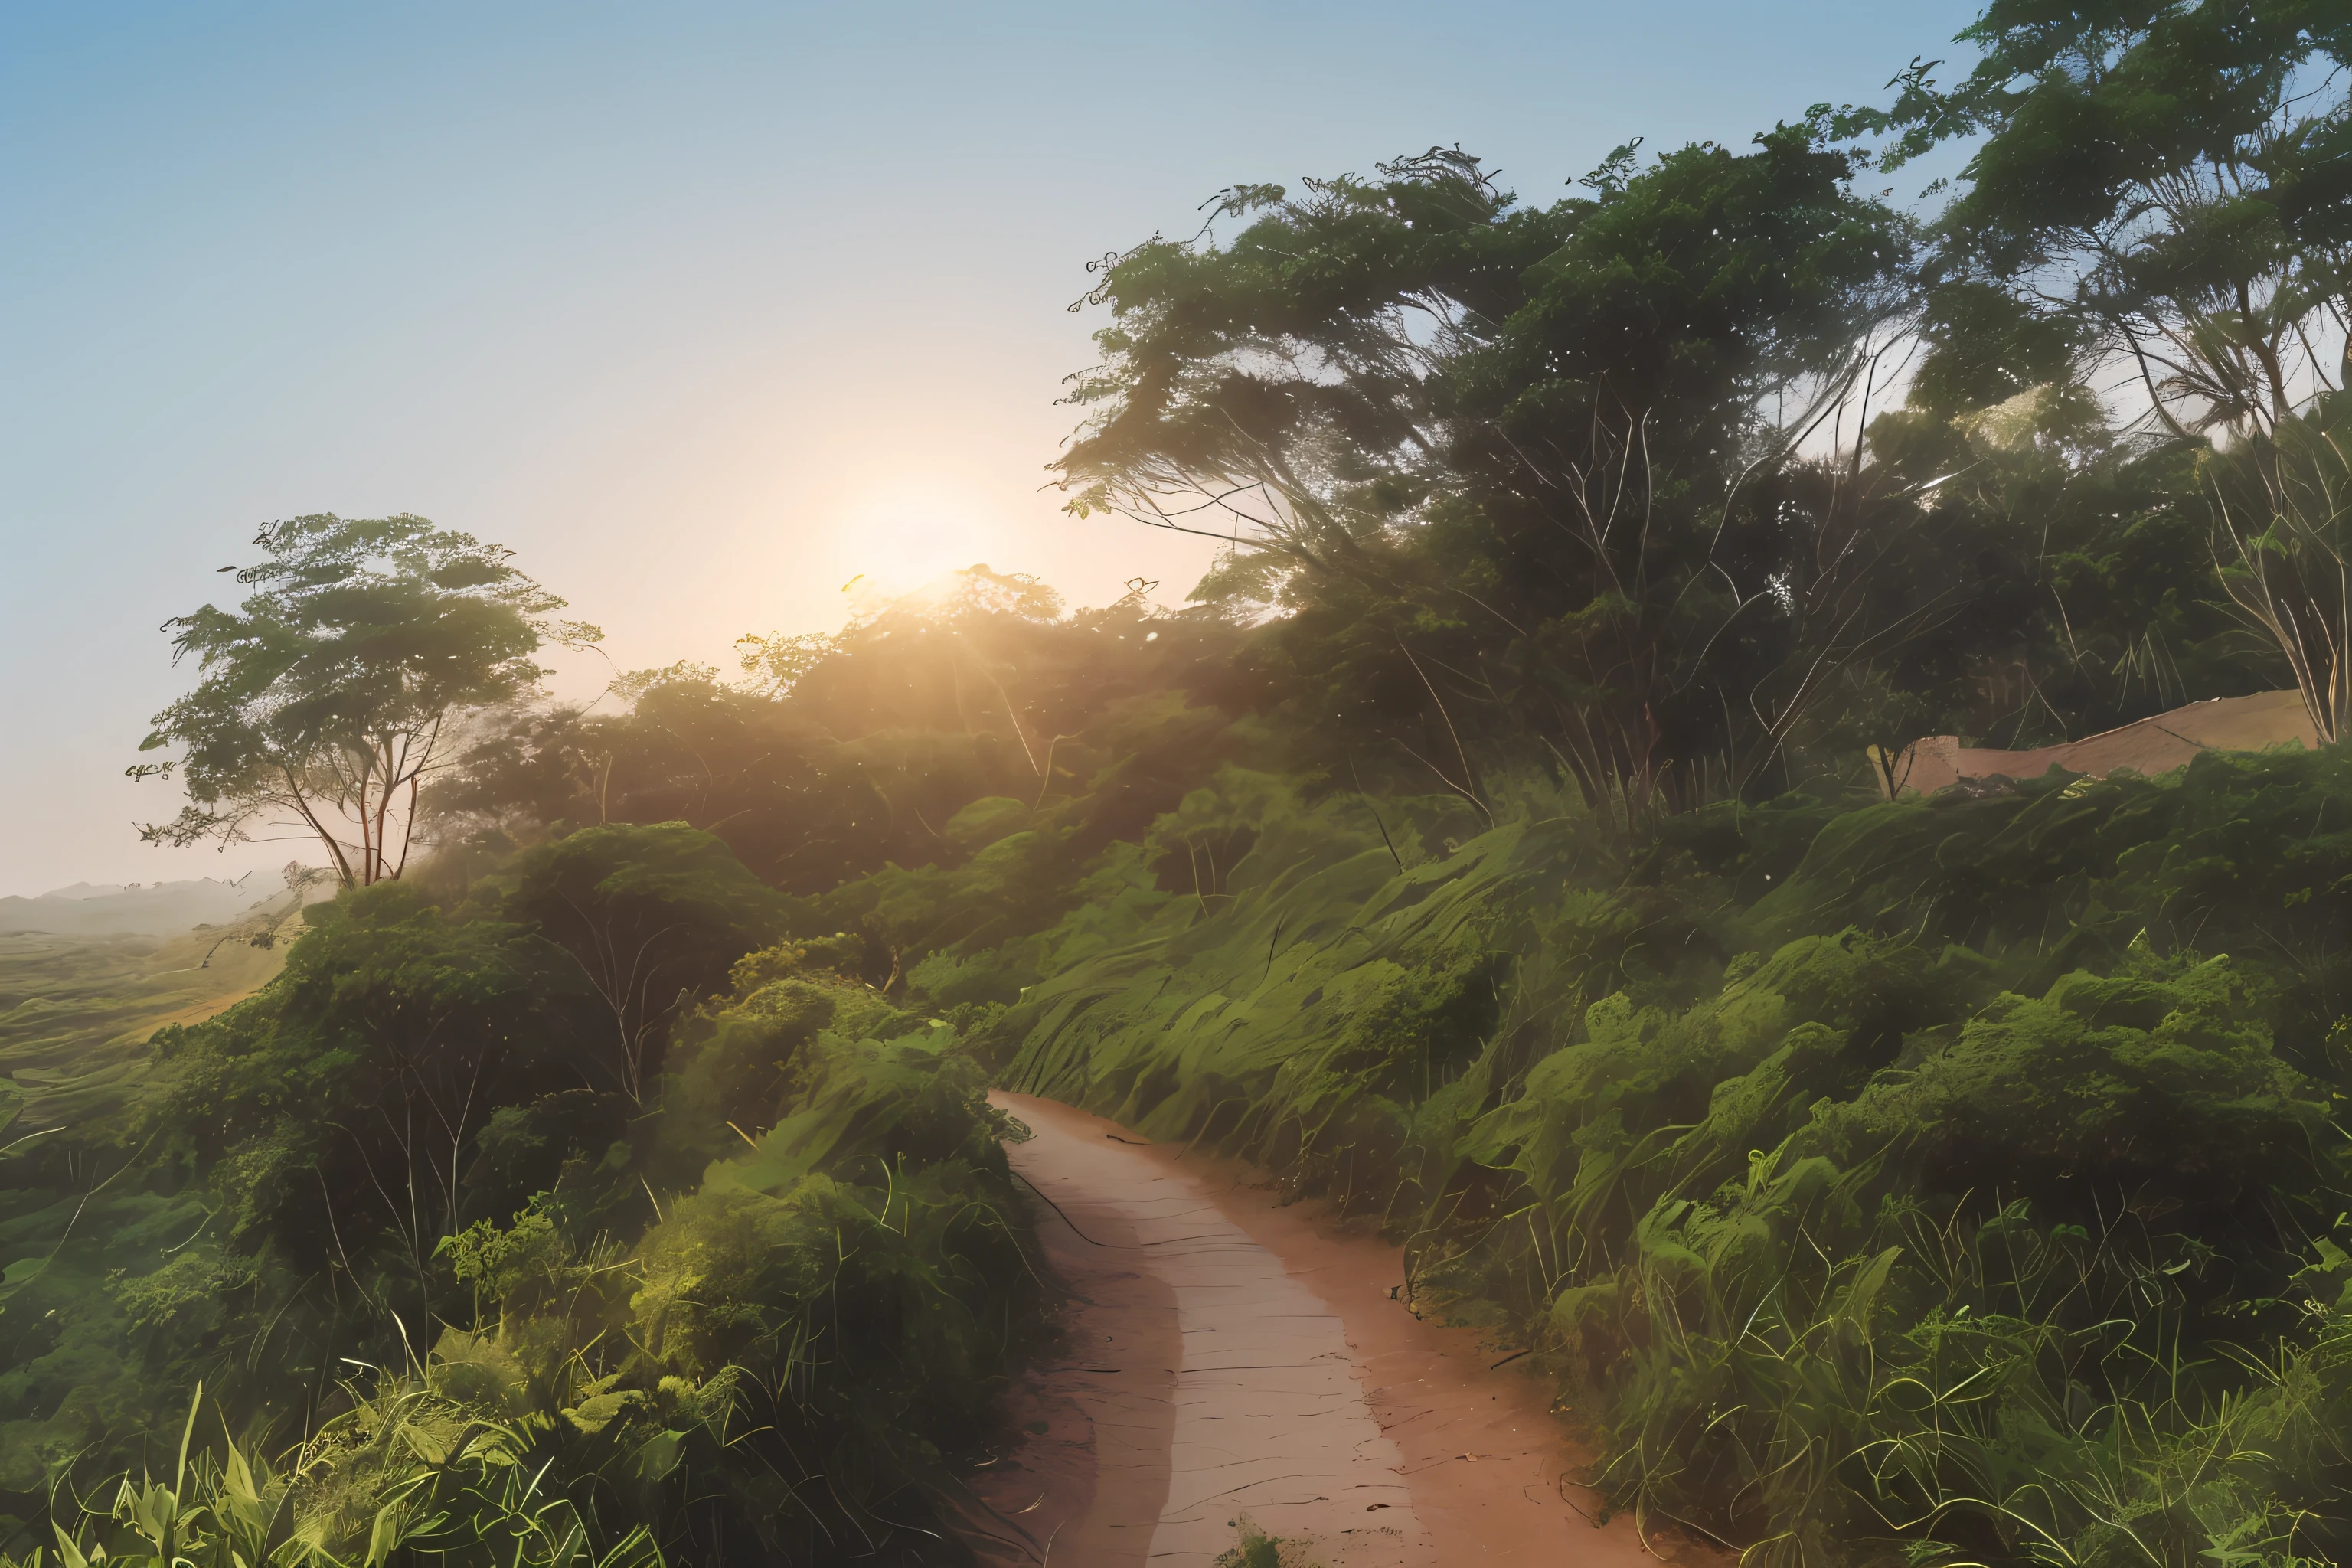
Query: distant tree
x=330, y=693
x=774, y=663
x=819, y=771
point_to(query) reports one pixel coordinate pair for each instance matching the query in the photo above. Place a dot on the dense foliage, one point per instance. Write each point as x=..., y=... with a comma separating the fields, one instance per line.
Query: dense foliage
x=400, y=1209
x=1961, y=1171
x=1500, y=848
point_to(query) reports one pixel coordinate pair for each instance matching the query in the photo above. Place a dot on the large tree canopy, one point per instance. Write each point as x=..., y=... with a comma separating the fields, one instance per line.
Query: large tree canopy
x=1534, y=460
x=2162, y=197
x=1363, y=351
x=328, y=695
x=2167, y=183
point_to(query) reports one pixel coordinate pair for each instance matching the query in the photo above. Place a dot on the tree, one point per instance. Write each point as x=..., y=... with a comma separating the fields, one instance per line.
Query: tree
x=329, y=695
x=2166, y=189
x=652, y=918
x=1536, y=463
x=2166, y=185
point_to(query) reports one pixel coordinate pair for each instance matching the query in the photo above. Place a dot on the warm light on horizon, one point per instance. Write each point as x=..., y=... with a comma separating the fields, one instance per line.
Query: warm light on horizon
x=893, y=544
x=783, y=301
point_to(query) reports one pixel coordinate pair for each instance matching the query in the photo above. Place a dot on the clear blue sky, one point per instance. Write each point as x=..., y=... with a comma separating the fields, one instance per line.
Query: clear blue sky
x=701, y=307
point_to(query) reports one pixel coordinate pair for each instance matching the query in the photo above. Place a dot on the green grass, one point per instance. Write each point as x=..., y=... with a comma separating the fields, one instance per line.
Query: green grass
x=76, y=1014
x=1957, y=1181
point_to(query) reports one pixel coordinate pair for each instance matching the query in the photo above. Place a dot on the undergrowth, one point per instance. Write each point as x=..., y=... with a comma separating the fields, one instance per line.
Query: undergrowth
x=1945, y=1181
x=759, y=1318
x=1952, y=1180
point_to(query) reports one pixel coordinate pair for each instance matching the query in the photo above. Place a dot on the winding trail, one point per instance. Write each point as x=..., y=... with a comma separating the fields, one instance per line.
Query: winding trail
x=1225, y=1355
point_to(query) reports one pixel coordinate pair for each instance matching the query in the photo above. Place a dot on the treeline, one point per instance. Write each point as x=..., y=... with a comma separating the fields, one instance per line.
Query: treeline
x=1498, y=845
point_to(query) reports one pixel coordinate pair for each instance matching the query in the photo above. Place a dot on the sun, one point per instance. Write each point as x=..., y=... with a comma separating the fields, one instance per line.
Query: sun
x=893, y=544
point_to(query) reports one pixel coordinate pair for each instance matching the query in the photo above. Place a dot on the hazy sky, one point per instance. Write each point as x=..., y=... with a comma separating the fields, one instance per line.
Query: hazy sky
x=703, y=309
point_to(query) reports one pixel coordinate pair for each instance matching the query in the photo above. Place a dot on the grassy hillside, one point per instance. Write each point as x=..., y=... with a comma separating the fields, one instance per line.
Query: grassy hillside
x=1961, y=1171
x=76, y=1013
x=73, y=1046
x=1500, y=844
x=1955, y=1179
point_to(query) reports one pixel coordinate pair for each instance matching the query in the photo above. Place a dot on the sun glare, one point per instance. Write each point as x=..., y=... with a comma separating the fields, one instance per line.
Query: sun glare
x=894, y=545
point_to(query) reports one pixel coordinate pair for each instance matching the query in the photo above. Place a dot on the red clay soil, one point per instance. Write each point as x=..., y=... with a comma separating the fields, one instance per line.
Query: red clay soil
x=2150, y=747
x=1224, y=1354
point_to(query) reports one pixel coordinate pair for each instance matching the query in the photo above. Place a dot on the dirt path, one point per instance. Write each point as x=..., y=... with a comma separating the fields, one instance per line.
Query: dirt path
x=1227, y=1355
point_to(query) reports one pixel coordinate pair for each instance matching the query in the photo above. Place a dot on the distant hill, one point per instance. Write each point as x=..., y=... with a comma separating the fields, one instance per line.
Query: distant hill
x=157, y=909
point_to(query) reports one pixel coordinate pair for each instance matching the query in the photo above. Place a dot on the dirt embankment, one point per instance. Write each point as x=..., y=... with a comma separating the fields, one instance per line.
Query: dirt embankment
x=1225, y=1355
x=2148, y=747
